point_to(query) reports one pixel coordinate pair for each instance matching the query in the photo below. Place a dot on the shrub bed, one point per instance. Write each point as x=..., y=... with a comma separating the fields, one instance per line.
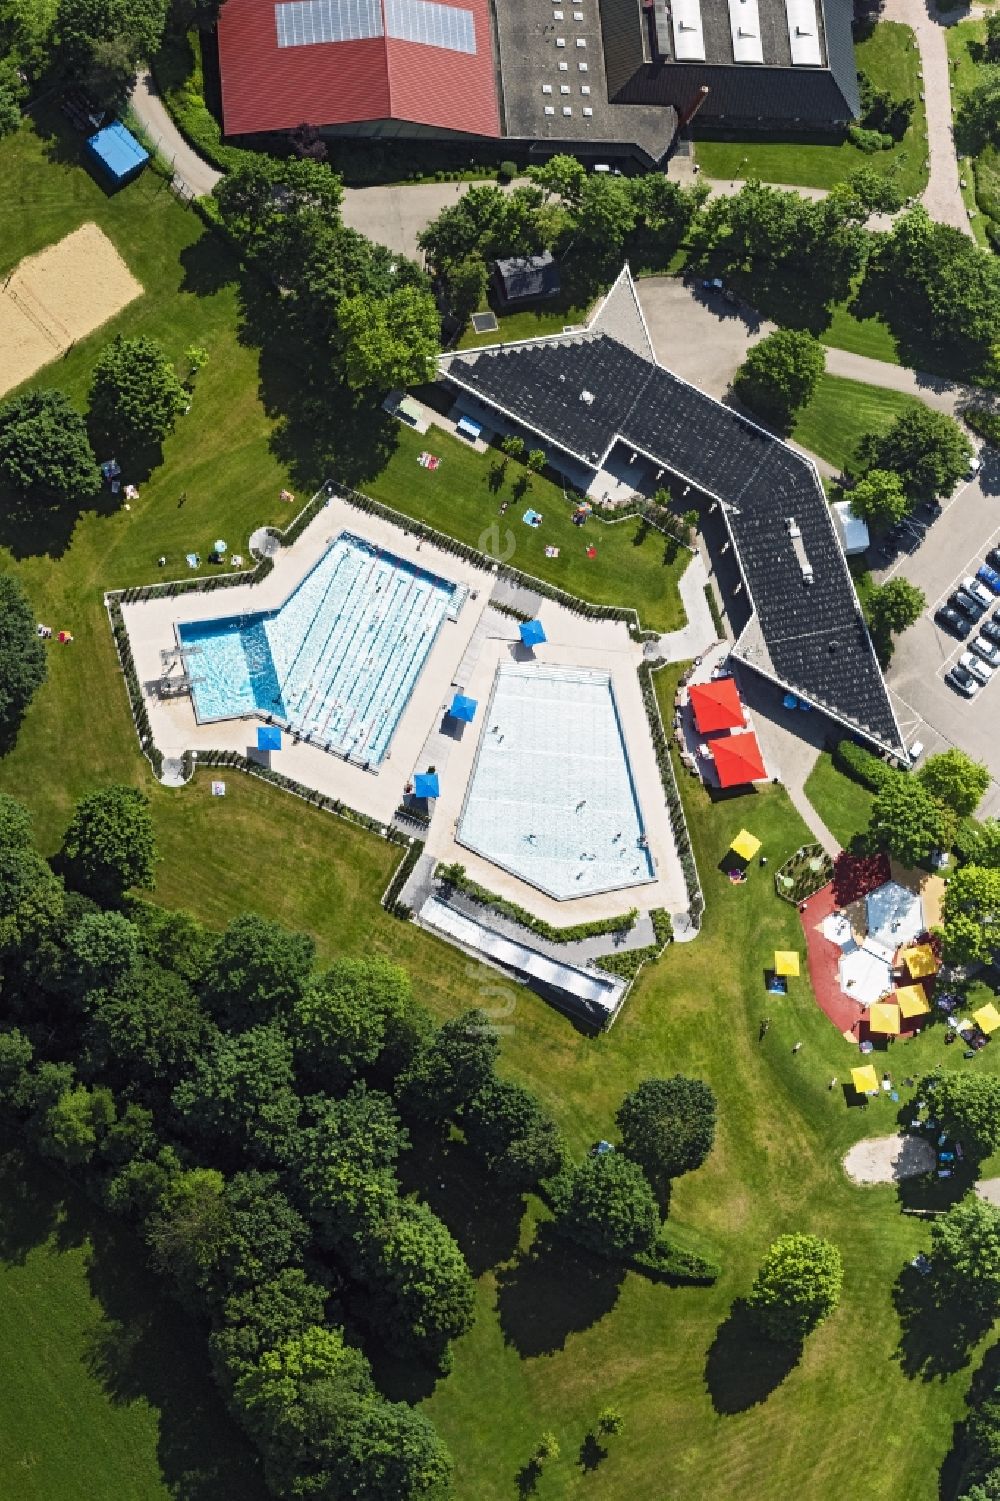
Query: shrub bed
x=862, y=765
x=454, y=875
x=675, y=808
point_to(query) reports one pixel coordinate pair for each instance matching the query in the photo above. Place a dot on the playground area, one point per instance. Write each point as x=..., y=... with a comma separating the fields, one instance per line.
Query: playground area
x=52, y=299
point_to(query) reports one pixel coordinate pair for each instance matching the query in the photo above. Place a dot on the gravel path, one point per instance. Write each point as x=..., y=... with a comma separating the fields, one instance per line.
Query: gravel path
x=889, y=1159
x=191, y=168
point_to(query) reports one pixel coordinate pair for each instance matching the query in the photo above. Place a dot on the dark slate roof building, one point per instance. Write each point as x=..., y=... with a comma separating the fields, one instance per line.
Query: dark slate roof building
x=525, y=278
x=587, y=394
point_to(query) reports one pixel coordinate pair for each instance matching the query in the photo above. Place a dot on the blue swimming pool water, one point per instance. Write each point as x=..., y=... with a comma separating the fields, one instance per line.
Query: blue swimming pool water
x=337, y=662
x=551, y=798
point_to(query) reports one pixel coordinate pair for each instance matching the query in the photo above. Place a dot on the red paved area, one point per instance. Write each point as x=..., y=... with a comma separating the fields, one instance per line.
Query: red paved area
x=823, y=958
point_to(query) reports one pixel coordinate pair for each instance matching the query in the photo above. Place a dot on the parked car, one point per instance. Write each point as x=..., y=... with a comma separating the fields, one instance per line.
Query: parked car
x=990, y=629
x=976, y=666
x=962, y=600
x=975, y=464
x=993, y=557
x=963, y=682
x=977, y=589
x=989, y=577
x=953, y=622
x=712, y=284
x=988, y=650
x=916, y=751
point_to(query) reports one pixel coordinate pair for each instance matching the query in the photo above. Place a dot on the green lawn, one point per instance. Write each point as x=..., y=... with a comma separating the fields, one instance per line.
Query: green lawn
x=105, y=1389
x=529, y=323
x=100, y=1409
x=981, y=174
x=868, y=336
x=889, y=58
x=841, y=411
x=461, y=498
x=843, y=804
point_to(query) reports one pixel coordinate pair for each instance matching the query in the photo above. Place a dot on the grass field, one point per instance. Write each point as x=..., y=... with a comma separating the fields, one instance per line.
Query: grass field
x=841, y=412
x=107, y=1398
x=891, y=61
x=981, y=173
x=461, y=498
x=843, y=804
x=105, y=1390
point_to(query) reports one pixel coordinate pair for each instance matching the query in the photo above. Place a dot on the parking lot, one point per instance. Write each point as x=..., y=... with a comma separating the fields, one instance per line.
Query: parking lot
x=937, y=556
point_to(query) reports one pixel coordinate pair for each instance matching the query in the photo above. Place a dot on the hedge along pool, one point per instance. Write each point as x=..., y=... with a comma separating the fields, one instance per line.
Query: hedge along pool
x=337, y=662
x=551, y=798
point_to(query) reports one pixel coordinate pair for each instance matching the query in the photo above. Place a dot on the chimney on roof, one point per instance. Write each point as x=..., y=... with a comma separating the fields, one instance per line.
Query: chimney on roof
x=688, y=113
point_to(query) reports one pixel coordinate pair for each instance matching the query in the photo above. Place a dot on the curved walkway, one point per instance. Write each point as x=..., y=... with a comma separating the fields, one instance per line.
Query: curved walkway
x=942, y=197
x=150, y=110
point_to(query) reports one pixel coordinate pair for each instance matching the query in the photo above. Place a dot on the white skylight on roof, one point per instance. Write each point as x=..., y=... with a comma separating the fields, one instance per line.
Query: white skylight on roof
x=582, y=67
x=567, y=109
x=564, y=67
x=744, y=25
x=564, y=88
x=550, y=109
x=546, y=88
x=304, y=23
x=585, y=88
x=581, y=41
x=560, y=41
x=803, y=33
x=431, y=24
x=587, y=110
x=689, y=39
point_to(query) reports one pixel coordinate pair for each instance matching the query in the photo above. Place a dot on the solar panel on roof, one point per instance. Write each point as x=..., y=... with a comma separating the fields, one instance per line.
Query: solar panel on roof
x=303, y=23
x=432, y=24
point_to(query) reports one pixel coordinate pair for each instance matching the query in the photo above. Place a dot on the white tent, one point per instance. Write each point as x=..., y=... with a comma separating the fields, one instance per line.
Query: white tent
x=865, y=975
x=851, y=530
x=895, y=915
x=838, y=930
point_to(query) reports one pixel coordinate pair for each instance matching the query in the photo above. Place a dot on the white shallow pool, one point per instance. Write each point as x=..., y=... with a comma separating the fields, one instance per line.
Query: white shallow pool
x=551, y=797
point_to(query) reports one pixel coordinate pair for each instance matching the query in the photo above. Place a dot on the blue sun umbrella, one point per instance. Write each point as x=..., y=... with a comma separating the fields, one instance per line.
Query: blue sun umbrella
x=221, y=546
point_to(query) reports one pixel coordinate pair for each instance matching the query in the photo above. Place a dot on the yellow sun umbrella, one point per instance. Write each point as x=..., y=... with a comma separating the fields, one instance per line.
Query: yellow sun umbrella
x=745, y=845
x=920, y=961
x=883, y=1017
x=865, y=1079
x=912, y=1001
x=987, y=1018
x=786, y=962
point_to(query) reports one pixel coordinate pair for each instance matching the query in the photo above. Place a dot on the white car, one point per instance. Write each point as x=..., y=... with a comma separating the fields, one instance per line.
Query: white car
x=978, y=590
x=976, y=666
x=988, y=650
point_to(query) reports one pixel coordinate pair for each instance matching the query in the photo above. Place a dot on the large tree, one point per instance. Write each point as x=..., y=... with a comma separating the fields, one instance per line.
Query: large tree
x=103, y=950
x=508, y=1129
x=968, y=1107
x=451, y=1067
x=422, y=1293
x=346, y=1160
x=955, y=780
x=908, y=822
x=256, y=971
x=22, y=654
x=965, y=1255
x=607, y=1205
x=261, y=193
x=668, y=1125
x=389, y=341
x=145, y=1026
x=972, y=915
x=110, y=846
x=927, y=449
x=880, y=498
x=262, y=1315
x=31, y=900
x=780, y=374
x=187, y=1231
x=349, y=1016
x=135, y=394
x=893, y=606
x=240, y=1090
x=44, y=449
x=15, y=822
x=93, y=32
x=977, y=121
x=798, y=1285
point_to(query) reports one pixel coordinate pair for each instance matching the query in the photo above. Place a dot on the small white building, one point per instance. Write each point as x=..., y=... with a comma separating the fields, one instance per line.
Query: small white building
x=852, y=531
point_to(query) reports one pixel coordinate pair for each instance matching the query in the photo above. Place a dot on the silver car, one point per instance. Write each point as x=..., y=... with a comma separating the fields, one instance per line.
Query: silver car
x=978, y=590
x=988, y=650
x=976, y=666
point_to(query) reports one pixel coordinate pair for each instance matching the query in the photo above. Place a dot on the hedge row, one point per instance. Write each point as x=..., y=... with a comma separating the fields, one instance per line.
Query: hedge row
x=629, y=962
x=984, y=422
x=672, y=1263
x=862, y=765
x=133, y=687
x=675, y=808
x=399, y=878
x=454, y=875
x=663, y=925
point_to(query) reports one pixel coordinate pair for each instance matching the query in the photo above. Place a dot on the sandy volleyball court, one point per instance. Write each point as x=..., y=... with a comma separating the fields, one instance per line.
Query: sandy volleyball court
x=889, y=1159
x=58, y=296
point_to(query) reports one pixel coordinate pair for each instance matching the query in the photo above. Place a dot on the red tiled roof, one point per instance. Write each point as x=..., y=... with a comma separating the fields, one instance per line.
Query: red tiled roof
x=738, y=760
x=267, y=87
x=716, y=705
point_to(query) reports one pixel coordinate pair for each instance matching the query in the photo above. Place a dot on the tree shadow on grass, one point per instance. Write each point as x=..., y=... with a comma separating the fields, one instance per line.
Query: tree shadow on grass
x=31, y=527
x=209, y=265
x=554, y=1290
x=938, y=1333
x=482, y=1215
x=957, y=1474
x=743, y=1368
x=142, y=1346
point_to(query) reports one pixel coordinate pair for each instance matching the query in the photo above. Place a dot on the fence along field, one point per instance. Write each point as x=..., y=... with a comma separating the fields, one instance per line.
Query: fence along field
x=60, y=295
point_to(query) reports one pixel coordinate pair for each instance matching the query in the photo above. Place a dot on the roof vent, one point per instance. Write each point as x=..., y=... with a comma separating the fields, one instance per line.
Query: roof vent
x=832, y=647
x=798, y=547
x=587, y=397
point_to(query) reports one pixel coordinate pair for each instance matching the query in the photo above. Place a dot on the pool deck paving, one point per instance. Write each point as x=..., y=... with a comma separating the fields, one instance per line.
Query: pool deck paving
x=465, y=653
